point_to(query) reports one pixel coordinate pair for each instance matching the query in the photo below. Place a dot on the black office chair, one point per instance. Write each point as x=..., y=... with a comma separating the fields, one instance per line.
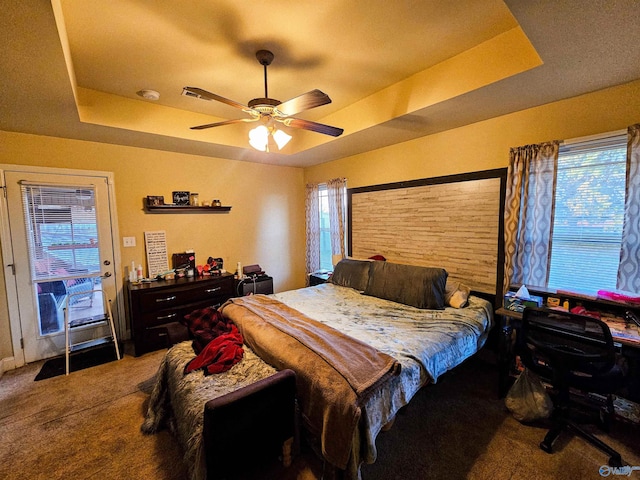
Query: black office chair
x=571, y=352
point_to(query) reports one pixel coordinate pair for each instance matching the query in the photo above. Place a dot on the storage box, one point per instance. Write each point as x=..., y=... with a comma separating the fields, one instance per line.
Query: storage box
x=184, y=260
x=511, y=302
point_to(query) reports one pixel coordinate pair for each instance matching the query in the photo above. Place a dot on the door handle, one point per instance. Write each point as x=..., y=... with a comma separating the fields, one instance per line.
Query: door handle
x=106, y=274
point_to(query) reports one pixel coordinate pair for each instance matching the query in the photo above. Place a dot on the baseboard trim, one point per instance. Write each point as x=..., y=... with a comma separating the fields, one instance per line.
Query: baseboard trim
x=6, y=364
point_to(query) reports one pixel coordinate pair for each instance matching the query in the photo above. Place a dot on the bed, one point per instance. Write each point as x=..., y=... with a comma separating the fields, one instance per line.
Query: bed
x=454, y=223
x=397, y=318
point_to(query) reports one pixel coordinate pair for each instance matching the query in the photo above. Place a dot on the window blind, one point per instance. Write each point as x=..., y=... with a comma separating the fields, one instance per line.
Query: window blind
x=62, y=234
x=589, y=214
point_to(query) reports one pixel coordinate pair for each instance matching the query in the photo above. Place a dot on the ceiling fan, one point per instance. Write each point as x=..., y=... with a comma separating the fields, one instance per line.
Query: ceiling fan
x=269, y=111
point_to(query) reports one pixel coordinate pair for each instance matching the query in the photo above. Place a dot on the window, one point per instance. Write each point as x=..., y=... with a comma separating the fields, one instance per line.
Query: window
x=63, y=233
x=325, y=206
x=325, y=231
x=588, y=215
x=571, y=214
x=64, y=254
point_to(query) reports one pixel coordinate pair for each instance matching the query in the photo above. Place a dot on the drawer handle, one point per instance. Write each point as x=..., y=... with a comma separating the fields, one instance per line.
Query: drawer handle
x=212, y=290
x=168, y=299
x=164, y=317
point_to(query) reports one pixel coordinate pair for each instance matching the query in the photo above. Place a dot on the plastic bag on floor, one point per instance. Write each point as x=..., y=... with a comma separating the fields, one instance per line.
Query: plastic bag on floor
x=528, y=400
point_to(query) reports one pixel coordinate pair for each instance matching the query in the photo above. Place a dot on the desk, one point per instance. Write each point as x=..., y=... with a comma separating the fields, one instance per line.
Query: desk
x=624, y=336
x=626, y=339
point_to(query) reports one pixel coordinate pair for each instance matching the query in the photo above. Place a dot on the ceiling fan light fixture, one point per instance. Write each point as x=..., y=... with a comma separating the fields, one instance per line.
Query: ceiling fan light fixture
x=259, y=138
x=281, y=138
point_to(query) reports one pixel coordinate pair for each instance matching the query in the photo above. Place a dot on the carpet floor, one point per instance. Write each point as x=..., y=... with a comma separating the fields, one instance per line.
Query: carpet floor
x=87, y=426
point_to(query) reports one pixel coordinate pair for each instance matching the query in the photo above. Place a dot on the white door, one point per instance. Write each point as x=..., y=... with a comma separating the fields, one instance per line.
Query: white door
x=62, y=256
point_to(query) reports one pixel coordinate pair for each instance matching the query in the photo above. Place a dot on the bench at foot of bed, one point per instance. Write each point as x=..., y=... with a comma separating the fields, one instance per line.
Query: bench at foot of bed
x=245, y=429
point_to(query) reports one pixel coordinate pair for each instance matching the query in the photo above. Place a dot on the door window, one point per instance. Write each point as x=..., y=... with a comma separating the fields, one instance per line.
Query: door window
x=62, y=239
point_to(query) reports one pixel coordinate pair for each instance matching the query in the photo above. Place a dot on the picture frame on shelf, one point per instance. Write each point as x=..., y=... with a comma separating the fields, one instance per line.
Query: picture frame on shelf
x=155, y=200
x=181, y=197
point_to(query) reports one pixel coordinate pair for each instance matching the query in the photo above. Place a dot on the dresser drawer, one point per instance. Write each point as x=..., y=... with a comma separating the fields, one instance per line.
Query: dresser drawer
x=167, y=298
x=216, y=292
x=176, y=314
x=151, y=319
x=152, y=339
x=156, y=304
x=159, y=300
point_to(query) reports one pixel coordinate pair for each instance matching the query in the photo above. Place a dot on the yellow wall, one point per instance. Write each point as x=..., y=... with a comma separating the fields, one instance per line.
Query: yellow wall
x=485, y=145
x=265, y=225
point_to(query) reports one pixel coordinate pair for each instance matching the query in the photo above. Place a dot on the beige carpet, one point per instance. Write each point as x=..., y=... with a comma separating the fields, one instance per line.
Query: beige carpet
x=87, y=425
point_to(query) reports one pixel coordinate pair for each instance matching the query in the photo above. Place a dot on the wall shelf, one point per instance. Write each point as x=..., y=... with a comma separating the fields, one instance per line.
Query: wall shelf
x=184, y=209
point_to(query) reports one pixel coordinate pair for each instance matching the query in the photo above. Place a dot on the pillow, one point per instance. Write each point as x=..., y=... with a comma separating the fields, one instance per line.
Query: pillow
x=420, y=287
x=351, y=273
x=456, y=294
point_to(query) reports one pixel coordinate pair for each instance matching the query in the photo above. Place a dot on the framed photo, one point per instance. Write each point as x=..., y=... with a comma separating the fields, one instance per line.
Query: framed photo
x=181, y=198
x=155, y=200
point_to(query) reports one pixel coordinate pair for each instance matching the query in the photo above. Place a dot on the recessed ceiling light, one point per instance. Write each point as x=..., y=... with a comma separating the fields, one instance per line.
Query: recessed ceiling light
x=149, y=94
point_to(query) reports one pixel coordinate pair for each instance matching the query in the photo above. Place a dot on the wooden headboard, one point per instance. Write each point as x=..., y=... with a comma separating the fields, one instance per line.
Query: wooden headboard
x=454, y=222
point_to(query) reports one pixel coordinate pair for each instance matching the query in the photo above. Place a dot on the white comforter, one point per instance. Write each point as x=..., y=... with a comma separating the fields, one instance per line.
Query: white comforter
x=426, y=342
x=438, y=340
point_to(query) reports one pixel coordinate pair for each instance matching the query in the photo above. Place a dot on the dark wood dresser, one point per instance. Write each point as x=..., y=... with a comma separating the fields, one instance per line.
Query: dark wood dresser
x=155, y=306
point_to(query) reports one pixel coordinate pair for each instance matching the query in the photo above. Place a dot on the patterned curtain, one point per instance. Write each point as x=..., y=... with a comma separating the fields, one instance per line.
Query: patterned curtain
x=629, y=268
x=528, y=216
x=312, y=230
x=337, y=193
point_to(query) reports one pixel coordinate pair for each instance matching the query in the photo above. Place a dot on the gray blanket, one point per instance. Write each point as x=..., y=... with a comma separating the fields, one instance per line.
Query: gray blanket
x=177, y=400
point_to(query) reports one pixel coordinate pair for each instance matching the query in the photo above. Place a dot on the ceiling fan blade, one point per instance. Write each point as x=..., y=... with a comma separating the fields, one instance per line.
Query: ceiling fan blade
x=203, y=94
x=313, y=126
x=226, y=122
x=312, y=99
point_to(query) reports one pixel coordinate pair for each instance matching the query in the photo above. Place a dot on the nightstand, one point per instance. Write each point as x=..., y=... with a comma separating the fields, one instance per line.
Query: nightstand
x=252, y=285
x=319, y=277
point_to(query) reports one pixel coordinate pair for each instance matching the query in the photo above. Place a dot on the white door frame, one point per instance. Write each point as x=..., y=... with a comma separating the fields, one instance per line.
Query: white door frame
x=8, y=259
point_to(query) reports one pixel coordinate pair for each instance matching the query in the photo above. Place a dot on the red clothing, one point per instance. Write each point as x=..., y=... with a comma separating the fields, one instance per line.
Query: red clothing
x=220, y=354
